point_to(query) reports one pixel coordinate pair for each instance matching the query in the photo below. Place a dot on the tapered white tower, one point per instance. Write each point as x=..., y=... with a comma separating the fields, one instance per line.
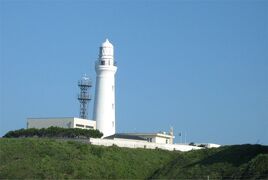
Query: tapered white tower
x=104, y=106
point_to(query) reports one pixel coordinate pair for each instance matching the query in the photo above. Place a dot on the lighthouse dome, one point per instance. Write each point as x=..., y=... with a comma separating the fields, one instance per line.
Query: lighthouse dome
x=106, y=50
x=107, y=44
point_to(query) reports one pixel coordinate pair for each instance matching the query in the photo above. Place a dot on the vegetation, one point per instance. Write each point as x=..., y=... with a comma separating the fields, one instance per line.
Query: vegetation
x=55, y=132
x=228, y=162
x=33, y=158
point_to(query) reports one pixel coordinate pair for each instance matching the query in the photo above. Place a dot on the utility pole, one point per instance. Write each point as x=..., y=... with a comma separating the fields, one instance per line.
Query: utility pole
x=185, y=138
x=180, y=135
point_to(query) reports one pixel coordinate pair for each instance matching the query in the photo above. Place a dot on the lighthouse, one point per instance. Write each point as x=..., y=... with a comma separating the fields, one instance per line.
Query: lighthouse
x=104, y=105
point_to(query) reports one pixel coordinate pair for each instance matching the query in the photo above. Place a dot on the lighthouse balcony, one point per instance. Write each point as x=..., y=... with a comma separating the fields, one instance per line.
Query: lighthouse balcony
x=106, y=63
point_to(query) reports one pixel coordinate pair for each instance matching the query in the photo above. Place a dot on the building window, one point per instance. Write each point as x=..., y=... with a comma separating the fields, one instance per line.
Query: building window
x=89, y=127
x=166, y=141
x=102, y=62
x=113, y=106
x=150, y=139
x=79, y=125
x=112, y=88
x=113, y=124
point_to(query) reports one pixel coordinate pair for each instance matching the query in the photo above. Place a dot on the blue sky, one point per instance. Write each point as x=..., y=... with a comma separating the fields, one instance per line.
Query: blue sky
x=199, y=66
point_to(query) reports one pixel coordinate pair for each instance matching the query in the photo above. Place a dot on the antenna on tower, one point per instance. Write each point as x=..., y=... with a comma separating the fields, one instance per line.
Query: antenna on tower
x=84, y=96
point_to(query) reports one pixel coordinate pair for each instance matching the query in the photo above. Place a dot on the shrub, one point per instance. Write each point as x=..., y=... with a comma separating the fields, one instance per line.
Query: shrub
x=192, y=144
x=54, y=132
x=202, y=145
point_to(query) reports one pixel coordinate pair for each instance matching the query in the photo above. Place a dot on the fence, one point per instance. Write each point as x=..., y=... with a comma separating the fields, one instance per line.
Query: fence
x=141, y=144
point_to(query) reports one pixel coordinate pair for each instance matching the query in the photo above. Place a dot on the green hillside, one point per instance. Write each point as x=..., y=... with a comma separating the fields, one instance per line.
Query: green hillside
x=229, y=162
x=45, y=158
x=54, y=159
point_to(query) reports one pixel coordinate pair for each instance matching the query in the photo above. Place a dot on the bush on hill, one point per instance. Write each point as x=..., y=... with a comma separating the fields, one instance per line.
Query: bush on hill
x=257, y=168
x=54, y=132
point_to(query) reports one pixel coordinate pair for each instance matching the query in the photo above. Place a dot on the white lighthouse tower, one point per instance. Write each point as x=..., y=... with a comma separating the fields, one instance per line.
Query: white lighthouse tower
x=104, y=107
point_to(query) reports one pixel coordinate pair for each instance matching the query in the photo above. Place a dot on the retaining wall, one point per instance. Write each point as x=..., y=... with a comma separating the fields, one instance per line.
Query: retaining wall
x=142, y=144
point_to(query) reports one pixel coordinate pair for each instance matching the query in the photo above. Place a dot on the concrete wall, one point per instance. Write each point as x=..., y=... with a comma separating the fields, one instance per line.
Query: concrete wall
x=68, y=122
x=139, y=144
x=210, y=145
x=162, y=140
x=88, y=124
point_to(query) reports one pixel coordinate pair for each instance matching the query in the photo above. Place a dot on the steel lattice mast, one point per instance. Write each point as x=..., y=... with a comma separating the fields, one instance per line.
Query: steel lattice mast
x=84, y=96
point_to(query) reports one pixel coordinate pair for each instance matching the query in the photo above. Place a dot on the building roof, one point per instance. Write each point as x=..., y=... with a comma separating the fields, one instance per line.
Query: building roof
x=125, y=136
x=160, y=134
x=56, y=119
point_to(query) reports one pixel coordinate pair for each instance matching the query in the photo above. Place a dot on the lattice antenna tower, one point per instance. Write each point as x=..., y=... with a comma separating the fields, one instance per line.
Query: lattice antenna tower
x=84, y=96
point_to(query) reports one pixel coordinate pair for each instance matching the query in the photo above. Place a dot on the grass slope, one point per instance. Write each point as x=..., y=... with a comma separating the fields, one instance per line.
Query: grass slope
x=229, y=162
x=46, y=158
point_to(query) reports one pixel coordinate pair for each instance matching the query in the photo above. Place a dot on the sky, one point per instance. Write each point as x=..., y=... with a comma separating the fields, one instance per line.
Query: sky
x=200, y=66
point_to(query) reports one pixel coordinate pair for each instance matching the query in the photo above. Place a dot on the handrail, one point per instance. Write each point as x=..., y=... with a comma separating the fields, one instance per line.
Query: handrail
x=83, y=97
x=105, y=63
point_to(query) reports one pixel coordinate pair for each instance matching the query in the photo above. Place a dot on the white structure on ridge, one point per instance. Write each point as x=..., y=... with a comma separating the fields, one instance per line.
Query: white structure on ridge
x=63, y=122
x=104, y=105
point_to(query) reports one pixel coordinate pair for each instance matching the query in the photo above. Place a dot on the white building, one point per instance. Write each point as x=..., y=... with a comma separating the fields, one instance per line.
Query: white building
x=124, y=137
x=104, y=107
x=161, y=137
x=64, y=122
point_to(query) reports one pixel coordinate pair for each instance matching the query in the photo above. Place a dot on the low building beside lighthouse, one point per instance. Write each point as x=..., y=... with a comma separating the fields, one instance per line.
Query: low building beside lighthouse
x=63, y=122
